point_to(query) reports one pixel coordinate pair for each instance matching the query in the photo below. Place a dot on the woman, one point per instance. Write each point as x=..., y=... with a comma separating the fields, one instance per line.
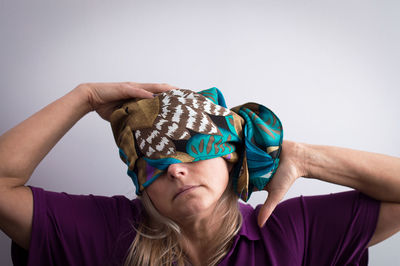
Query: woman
x=185, y=208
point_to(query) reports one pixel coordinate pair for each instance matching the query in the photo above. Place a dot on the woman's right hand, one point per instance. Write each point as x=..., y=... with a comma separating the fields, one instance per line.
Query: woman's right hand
x=105, y=97
x=291, y=167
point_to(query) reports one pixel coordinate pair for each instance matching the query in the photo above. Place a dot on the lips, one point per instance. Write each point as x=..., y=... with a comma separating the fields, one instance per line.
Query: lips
x=183, y=189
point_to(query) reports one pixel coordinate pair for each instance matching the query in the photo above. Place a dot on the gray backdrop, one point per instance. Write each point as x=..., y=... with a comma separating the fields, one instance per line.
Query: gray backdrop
x=328, y=69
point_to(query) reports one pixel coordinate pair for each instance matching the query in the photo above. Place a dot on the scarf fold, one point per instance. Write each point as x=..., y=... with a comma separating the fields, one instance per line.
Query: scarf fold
x=184, y=126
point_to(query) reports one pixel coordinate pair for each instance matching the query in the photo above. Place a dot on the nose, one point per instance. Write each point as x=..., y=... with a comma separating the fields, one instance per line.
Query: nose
x=177, y=170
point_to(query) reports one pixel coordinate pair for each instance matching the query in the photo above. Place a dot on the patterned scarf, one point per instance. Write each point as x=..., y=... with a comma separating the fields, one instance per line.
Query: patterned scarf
x=185, y=126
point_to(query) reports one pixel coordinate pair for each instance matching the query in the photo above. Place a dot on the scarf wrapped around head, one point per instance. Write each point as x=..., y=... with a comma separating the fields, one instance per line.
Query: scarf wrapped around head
x=185, y=126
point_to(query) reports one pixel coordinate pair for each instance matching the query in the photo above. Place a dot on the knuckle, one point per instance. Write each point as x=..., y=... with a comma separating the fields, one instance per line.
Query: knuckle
x=125, y=85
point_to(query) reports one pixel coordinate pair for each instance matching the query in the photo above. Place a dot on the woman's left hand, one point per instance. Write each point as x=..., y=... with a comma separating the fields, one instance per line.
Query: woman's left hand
x=289, y=169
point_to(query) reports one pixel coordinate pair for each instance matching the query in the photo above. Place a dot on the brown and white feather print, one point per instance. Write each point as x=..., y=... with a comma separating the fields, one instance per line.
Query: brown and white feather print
x=179, y=111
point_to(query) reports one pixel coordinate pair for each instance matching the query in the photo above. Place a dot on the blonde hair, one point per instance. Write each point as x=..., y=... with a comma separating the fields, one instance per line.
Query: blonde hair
x=158, y=237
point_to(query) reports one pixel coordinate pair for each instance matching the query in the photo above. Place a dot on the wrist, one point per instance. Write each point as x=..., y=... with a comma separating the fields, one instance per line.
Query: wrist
x=83, y=94
x=296, y=153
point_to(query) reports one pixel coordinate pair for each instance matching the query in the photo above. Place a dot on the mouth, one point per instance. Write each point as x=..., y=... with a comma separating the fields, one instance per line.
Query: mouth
x=183, y=190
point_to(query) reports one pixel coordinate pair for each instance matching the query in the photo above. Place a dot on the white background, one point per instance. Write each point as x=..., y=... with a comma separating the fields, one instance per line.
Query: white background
x=328, y=69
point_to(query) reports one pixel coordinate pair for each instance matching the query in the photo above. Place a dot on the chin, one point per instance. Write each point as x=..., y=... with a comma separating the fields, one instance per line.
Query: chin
x=193, y=206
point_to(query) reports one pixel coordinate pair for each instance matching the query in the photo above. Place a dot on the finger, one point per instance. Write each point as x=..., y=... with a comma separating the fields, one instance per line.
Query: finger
x=139, y=93
x=270, y=204
x=150, y=87
x=155, y=87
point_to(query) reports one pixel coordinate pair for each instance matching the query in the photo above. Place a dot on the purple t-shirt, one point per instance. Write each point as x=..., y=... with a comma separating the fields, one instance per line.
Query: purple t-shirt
x=331, y=229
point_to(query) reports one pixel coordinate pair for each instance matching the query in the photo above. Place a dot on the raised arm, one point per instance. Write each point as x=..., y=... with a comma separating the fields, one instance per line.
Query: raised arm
x=376, y=175
x=24, y=146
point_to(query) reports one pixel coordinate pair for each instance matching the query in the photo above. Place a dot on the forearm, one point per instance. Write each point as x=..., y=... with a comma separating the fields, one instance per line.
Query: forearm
x=376, y=175
x=24, y=146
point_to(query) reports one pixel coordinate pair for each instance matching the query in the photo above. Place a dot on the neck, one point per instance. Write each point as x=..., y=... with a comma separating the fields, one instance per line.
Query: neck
x=198, y=233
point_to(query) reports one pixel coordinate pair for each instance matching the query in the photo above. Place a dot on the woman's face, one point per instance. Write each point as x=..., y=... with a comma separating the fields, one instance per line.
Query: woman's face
x=190, y=189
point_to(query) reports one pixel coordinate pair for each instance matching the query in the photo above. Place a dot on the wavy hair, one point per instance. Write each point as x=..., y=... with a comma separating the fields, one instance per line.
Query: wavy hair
x=157, y=237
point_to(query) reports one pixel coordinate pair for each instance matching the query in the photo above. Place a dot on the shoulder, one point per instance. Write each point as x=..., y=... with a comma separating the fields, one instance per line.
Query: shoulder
x=40, y=193
x=341, y=222
x=86, y=206
x=291, y=215
x=65, y=224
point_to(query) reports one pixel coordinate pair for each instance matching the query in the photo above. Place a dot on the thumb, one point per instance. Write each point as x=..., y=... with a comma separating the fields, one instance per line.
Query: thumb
x=270, y=203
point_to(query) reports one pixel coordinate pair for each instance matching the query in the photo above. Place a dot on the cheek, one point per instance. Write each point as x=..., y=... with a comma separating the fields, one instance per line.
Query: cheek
x=220, y=179
x=159, y=196
x=223, y=182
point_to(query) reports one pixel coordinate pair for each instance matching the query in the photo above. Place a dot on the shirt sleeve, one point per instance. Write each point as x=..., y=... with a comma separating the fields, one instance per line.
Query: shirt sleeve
x=337, y=227
x=72, y=229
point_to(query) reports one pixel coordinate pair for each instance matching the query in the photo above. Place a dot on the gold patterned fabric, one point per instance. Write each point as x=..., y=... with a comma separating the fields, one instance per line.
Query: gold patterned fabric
x=186, y=126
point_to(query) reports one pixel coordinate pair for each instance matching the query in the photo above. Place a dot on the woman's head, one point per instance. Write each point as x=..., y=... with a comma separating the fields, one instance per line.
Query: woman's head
x=187, y=155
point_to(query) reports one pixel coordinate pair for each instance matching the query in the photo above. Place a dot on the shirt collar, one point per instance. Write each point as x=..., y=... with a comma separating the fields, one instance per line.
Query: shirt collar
x=249, y=228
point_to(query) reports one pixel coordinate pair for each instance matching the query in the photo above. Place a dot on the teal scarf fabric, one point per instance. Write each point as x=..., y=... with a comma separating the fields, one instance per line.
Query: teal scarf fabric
x=186, y=126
